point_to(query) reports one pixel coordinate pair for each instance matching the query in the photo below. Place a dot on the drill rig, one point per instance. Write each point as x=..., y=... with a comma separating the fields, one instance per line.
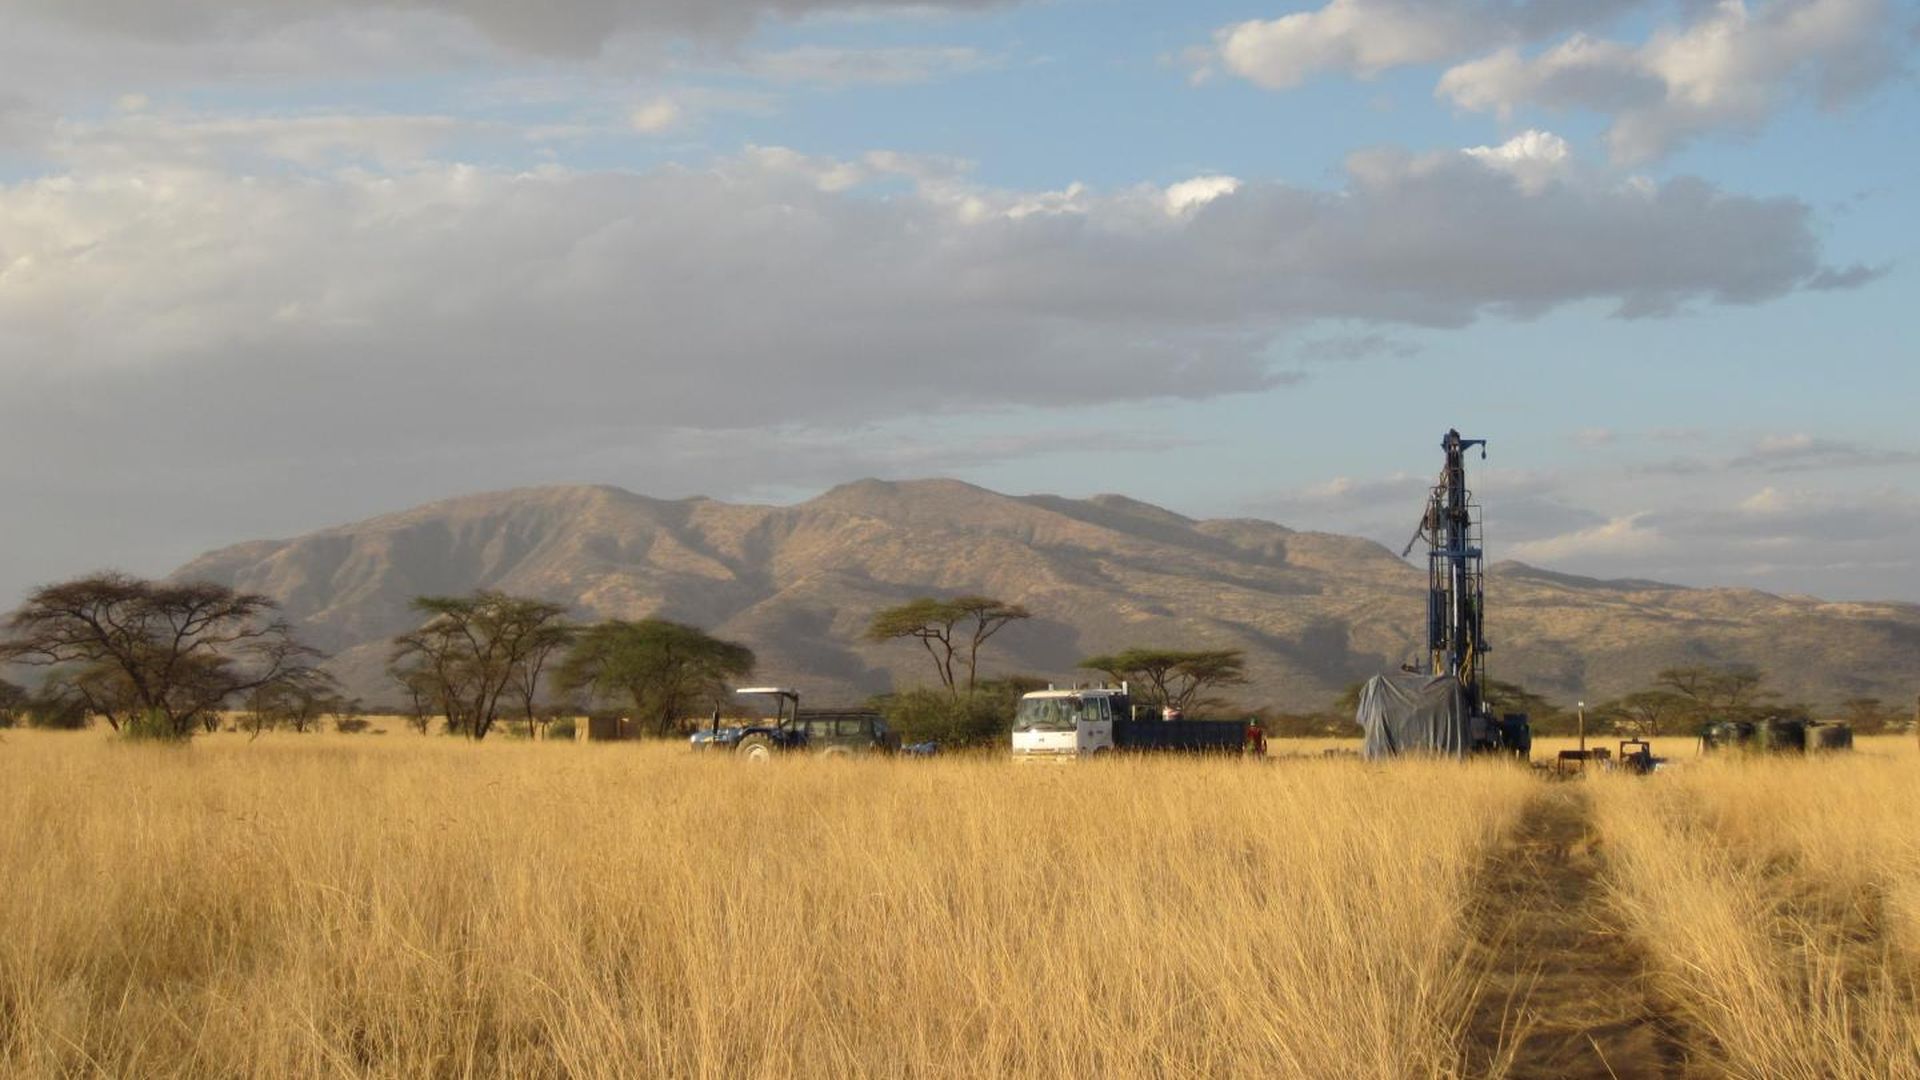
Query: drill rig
x=1441, y=707
x=1456, y=600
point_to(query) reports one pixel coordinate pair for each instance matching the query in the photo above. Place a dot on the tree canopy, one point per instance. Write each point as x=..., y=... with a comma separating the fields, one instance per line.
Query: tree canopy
x=1647, y=712
x=471, y=652
x=1735, y=688
x=1172, y=677
x=151, y=657
x=952, y=631
x=668, y=670
x=299, y=704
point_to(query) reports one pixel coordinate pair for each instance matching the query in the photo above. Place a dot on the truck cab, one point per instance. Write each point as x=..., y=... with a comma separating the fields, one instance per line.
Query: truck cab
x=1068, y=723
x=1065, y=724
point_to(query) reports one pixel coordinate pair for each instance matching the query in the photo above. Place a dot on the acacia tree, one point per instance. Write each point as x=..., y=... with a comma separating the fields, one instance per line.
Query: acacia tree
x=155, y=657
x=668, y=670
x=1646, y=712
x=1731, y=690
x=952, y=631
x=524, y=686
x=298, y=703
x=418, y=686
x=469, y=652
x=1173, y=677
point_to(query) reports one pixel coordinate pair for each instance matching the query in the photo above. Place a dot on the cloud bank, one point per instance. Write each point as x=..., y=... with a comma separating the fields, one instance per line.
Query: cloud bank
x=1729, y=70
x=552, y=26
x=1728, y=67
x=780, y=284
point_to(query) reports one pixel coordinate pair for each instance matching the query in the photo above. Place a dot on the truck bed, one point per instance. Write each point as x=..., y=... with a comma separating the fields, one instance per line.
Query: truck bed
x=1220, y=736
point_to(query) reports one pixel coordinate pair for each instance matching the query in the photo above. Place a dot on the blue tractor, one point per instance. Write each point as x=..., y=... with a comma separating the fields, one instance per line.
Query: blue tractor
x=830, y=732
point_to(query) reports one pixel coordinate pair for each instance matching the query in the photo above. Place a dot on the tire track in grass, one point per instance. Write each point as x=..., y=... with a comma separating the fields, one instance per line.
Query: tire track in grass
x=1564, y=990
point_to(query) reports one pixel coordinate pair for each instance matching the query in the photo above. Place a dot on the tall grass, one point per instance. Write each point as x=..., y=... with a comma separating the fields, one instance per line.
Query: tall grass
x=1773, y=894
x=321, y=905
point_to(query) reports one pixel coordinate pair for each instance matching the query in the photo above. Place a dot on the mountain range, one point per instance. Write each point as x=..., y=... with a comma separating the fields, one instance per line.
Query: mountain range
x=1313, y=611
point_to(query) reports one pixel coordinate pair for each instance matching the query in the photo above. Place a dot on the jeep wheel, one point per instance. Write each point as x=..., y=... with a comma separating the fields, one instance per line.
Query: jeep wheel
x=755, y=747
x=836, y=752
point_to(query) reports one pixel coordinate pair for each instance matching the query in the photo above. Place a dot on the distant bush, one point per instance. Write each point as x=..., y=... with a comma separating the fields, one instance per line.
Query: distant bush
x=982, y=718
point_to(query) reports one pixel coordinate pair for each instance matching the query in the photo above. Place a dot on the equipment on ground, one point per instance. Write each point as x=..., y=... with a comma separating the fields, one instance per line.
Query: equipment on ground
x=1443, y=709
x=1775, y=734
x=1090, y=722
x=1636, y=756
x=831, y=732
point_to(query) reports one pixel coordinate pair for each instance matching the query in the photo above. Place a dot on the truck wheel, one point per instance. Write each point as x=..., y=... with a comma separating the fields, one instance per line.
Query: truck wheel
x=755, y=747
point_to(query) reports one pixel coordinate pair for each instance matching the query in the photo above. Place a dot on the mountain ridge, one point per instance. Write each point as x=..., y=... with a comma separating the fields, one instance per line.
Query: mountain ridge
x=1314, y=611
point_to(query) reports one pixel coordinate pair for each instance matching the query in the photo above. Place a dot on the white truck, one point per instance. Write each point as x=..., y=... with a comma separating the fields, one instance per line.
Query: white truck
x=1086, y=722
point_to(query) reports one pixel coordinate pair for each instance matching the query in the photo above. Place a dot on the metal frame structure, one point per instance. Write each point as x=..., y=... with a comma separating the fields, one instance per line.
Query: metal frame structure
x=1456, y=575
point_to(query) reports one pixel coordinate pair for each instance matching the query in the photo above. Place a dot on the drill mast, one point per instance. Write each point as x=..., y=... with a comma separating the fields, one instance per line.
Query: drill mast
x=1456, y=575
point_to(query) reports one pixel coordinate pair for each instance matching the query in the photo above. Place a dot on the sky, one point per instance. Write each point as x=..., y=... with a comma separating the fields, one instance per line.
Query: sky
x=272, y=265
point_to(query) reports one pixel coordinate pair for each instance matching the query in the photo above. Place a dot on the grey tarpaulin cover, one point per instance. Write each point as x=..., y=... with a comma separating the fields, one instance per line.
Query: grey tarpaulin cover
x=1413, y=714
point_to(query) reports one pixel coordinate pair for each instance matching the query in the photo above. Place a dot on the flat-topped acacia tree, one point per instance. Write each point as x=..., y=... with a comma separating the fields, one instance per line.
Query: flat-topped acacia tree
x=952, y=631
x=157, y=658
x=1173, y=677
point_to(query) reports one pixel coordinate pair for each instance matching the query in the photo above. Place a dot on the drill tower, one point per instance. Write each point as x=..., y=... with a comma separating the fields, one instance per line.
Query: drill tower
x=1456, y=575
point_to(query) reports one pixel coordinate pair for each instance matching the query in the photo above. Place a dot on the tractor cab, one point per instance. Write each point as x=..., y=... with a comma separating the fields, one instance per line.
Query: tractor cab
x=758, y=740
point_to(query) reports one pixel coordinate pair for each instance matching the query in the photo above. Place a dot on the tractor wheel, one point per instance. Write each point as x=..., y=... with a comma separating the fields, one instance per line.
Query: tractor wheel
x=755, y=747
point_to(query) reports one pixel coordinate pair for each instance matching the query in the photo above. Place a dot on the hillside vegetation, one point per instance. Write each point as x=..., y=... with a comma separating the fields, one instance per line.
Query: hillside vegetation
x=1313, y=612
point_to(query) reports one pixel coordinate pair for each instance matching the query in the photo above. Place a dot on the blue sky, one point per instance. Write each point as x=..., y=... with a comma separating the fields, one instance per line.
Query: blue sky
x=266, y=267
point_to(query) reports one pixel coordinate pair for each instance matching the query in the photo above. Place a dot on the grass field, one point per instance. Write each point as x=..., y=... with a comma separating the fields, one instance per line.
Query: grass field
x=328, y=905
x=1780, y=902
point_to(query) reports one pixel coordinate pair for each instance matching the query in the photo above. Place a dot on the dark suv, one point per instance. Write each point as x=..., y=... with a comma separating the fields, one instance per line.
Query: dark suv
x=847, y=731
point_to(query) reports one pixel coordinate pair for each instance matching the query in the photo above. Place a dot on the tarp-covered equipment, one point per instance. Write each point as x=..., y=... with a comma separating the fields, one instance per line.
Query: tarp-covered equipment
x=1414, y=714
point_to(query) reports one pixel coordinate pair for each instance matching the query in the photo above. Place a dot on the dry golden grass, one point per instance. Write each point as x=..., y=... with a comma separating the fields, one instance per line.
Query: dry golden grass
x=1776, y=897
x=407, y=906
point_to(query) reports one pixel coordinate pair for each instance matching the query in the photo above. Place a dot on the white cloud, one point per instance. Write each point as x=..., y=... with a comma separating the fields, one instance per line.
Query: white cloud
x=1199, y=191
x=1729, y=70
x=1533, y=158
x=1803, y=452
x=1366, y=37
x=656, y=117
x=1627, y=536
x=773, y=254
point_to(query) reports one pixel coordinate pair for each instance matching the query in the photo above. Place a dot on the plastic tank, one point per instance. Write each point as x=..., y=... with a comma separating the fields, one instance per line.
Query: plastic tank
x=1782, y=735
x=1830, y=737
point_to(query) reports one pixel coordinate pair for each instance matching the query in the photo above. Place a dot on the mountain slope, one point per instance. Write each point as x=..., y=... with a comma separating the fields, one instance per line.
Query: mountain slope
x=1313, y=611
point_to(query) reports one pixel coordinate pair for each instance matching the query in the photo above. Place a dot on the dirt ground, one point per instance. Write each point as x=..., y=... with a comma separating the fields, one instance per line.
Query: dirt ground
x=1565, y=991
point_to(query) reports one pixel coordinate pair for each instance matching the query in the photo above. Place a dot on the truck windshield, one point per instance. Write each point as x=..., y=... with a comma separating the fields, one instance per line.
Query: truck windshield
x=1054, y=714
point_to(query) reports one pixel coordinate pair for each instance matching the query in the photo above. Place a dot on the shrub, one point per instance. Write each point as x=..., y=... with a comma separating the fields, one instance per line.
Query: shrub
x=978, y=719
